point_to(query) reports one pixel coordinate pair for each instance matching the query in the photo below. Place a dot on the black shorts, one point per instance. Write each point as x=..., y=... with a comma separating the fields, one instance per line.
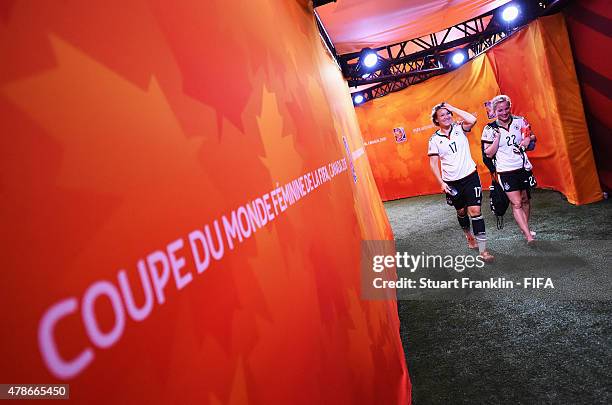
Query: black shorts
x=469, y=192
x=516, y=180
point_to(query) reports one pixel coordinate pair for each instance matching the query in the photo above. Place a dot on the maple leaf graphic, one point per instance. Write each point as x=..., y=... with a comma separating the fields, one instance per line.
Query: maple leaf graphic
x=118, y=140
x=281, y=157
x=115, y=137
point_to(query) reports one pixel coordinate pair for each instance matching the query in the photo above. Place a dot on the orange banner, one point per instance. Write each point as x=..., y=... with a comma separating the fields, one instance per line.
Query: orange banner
x=184, y=194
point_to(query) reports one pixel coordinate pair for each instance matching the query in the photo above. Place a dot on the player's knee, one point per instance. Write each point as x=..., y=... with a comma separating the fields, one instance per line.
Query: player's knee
x=473, y=211
x=517, y=204
x=461, y=212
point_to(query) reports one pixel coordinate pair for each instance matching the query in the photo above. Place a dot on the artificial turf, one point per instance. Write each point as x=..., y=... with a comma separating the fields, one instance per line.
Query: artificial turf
x=499, y=348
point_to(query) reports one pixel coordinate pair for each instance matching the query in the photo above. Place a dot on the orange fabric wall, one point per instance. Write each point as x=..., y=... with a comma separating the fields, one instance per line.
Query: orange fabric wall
x=132, y=129
x=402, y=169
x=535, y=68
x=532, y=68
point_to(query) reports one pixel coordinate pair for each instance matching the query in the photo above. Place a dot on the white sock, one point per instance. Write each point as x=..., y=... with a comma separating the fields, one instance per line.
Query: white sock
x=482, y=243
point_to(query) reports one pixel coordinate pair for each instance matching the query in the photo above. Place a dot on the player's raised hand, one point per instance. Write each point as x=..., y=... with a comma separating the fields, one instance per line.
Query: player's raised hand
x=448, y=106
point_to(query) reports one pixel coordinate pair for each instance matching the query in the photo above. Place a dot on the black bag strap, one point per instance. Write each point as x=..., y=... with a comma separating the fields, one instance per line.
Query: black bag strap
x=489, y=162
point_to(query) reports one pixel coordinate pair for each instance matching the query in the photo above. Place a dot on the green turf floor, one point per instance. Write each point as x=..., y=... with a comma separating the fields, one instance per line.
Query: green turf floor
x=495, y=349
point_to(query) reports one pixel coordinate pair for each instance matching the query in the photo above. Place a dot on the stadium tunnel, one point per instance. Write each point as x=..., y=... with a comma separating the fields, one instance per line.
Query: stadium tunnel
x=193, y=193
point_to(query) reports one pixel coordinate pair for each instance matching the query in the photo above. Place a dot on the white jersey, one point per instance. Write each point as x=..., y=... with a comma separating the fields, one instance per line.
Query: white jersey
x=454, y=152
x=508, y=156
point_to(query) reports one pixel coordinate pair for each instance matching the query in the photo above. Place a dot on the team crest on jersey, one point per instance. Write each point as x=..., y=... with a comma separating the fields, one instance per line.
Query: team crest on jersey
x=400, y=134
x=515, y=126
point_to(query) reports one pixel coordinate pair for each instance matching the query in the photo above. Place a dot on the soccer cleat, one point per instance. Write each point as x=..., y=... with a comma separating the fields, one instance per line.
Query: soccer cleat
x=487, y=257
x=531, y=241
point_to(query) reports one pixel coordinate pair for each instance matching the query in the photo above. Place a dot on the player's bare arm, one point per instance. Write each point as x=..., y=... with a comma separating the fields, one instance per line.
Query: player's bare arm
x=491, y=149
x=434, y=164
x=468, y=119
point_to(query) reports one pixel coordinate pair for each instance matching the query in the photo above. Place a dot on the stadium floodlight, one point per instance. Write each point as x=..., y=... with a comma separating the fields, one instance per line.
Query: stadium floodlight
x=368, y=58
x=510, y=13
x=358, y=99
x=458, y=58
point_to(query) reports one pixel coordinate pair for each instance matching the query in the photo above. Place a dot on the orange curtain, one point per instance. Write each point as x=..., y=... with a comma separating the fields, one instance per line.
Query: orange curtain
x=534, y=67
x=184, y=194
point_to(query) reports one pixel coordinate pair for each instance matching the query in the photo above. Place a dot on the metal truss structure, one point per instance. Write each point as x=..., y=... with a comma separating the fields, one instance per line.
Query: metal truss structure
x=416, y=60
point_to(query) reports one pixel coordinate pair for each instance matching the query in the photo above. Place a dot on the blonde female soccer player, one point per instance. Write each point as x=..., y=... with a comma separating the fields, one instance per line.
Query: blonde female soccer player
x=508, y=138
